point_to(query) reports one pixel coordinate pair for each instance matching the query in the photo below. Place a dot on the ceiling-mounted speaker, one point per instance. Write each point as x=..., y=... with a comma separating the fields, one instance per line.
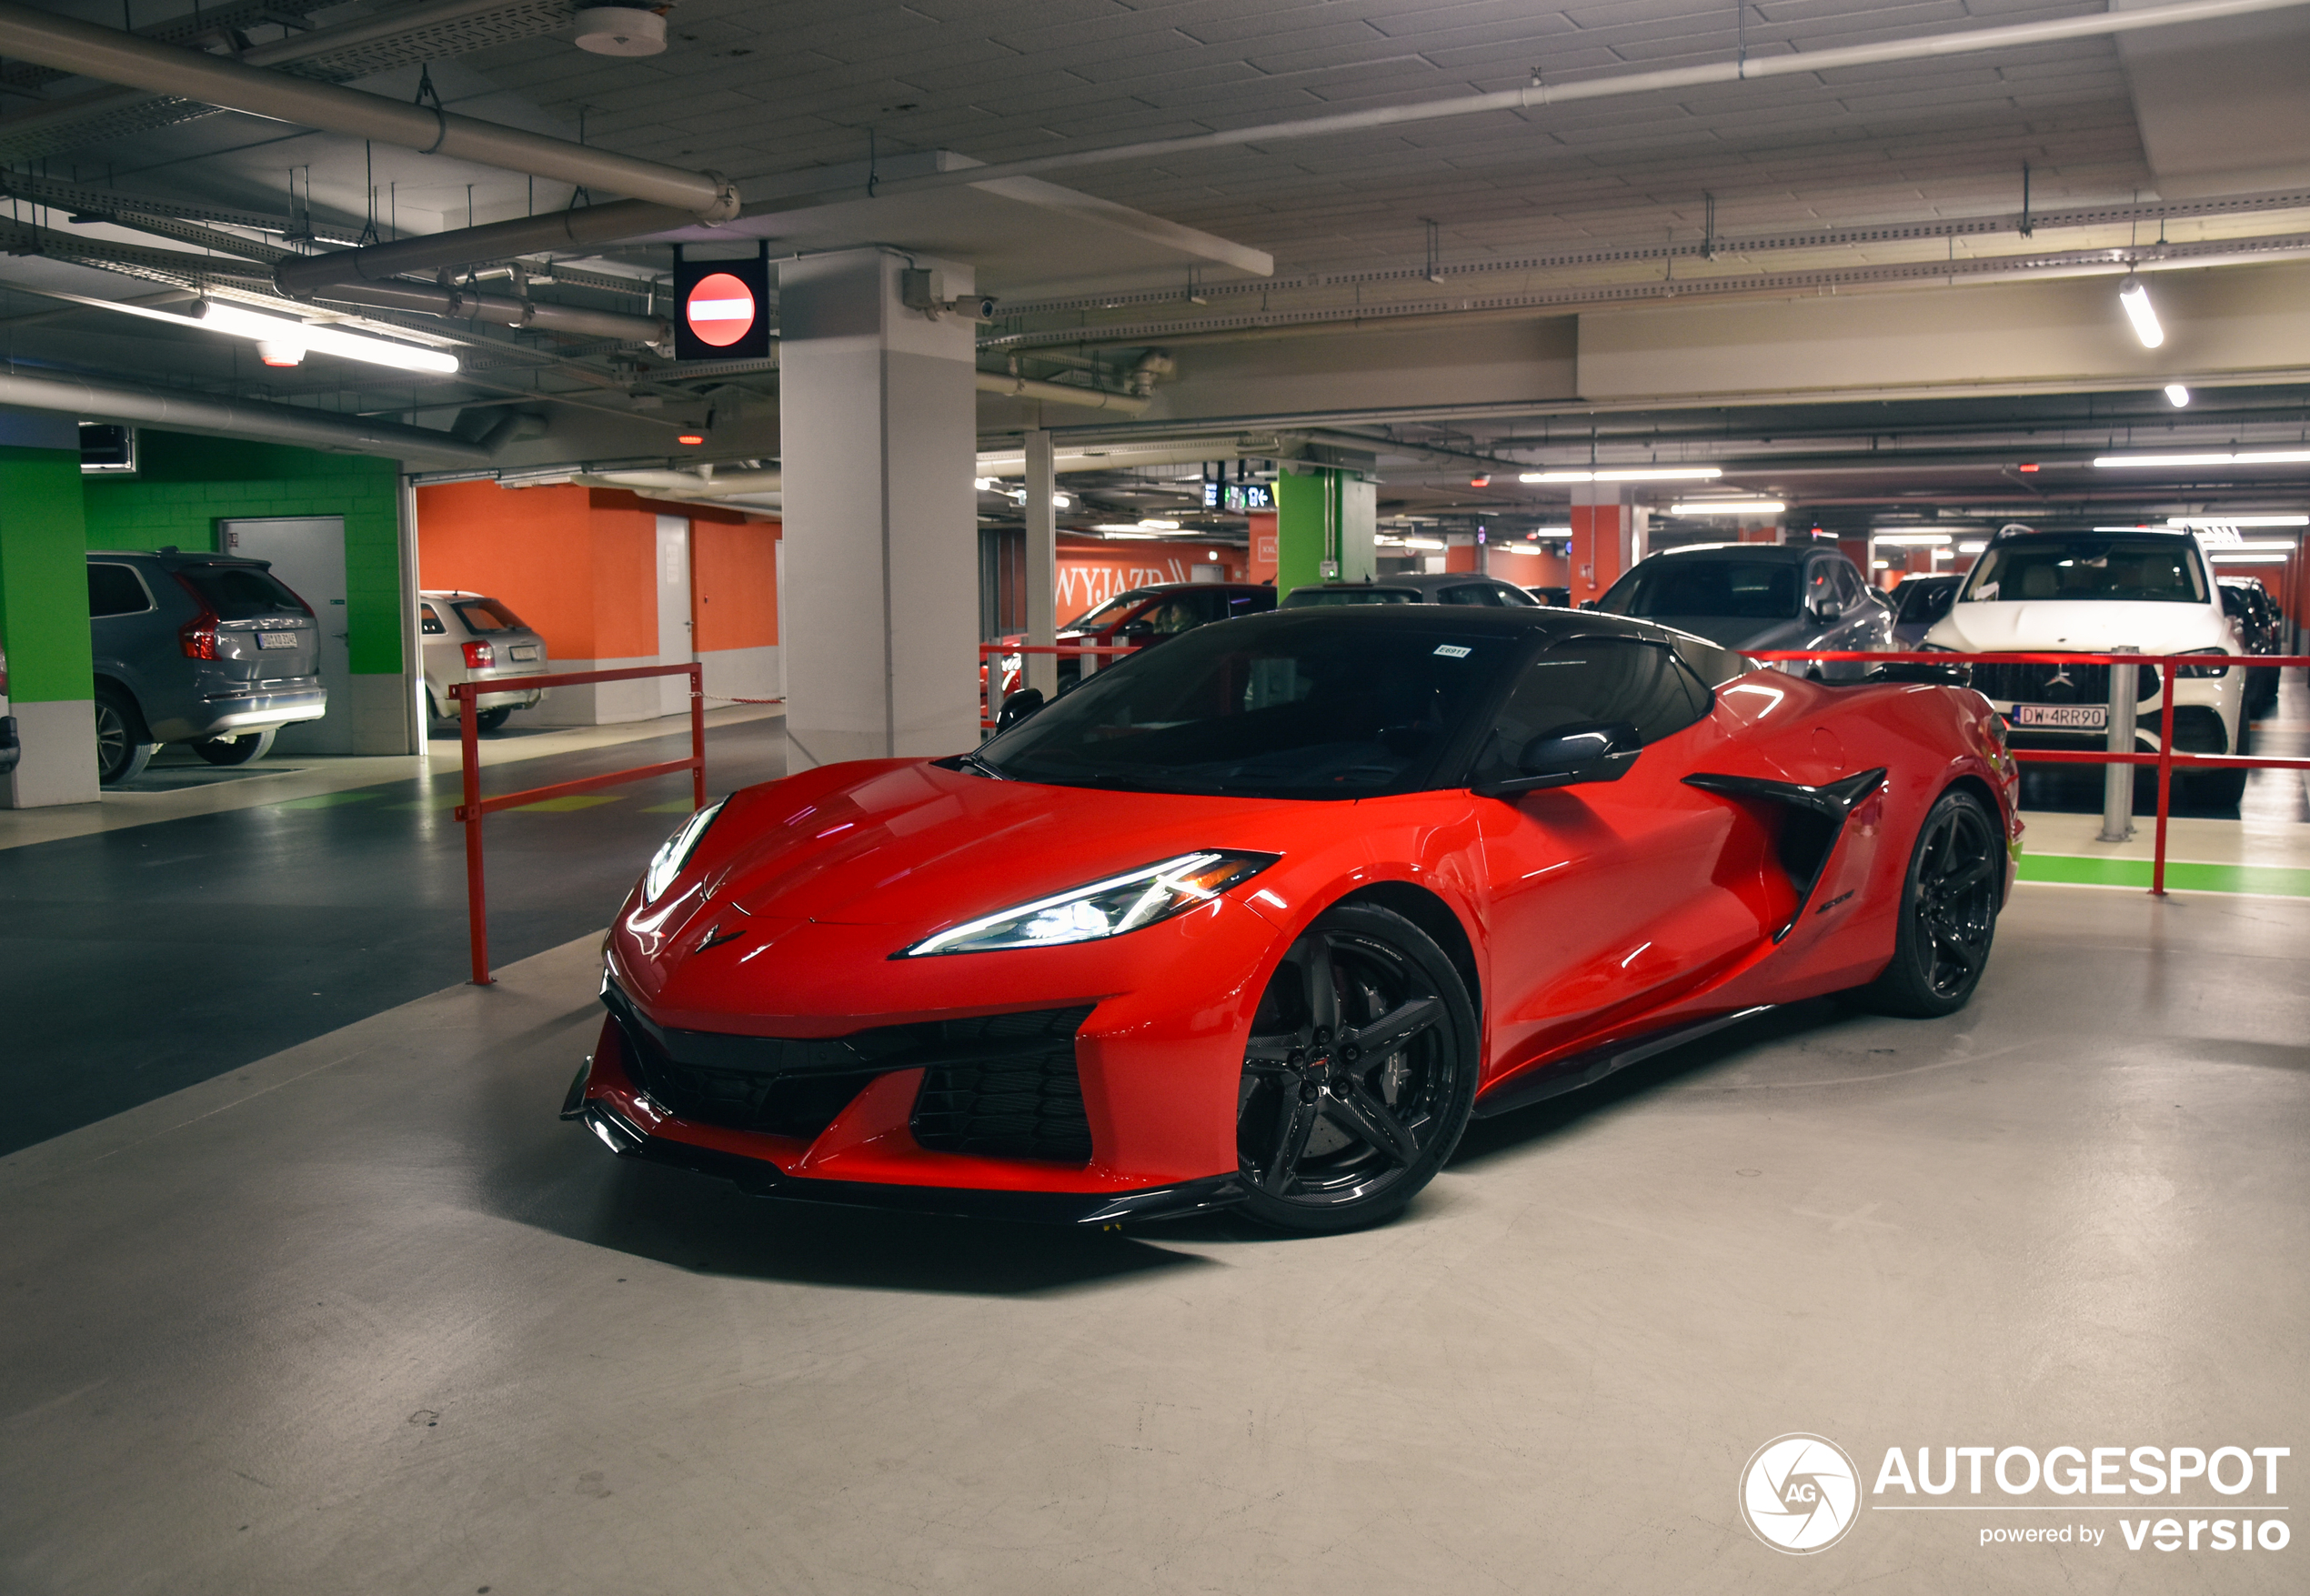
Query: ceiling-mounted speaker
x=621, y=30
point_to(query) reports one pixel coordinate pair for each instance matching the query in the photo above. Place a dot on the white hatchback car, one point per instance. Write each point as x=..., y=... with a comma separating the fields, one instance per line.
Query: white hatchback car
x=2147, y=589
x=472, y=637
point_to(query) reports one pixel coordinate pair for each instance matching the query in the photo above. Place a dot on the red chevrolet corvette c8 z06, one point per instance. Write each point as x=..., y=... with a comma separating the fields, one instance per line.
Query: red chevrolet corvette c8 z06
x=1260, y=918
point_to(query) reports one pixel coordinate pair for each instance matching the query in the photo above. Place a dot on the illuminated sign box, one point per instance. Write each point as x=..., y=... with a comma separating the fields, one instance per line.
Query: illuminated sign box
x=1238, y=496
x=722, y=309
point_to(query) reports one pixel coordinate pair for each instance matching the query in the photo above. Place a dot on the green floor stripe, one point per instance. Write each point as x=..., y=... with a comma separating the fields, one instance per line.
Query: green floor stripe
x=2181, y=875
x=577, y=800
x=327, y=800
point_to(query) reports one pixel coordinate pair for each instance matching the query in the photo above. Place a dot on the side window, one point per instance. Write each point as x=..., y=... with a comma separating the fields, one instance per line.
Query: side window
x=1171, y=617
x=1474, y=593
x=1210, y=606
x=1593, y=678
x=1849, y=583
x=115, y=590
x=1713, y=665
x=428, y=622
x=1514, y=598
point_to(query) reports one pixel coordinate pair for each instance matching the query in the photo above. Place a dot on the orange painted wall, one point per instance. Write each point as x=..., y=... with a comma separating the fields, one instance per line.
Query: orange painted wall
x=1263, y=550
x=1530, y=570
x=1091, y=571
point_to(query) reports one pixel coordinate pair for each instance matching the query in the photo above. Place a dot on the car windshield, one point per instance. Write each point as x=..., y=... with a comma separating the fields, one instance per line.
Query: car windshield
x=1318, y=707
x=2043, y=568
x=1109, y=613
x=1926, y=601
x=1742, y=589
x=1324, y=597
x=486, y=615
x=242, y=592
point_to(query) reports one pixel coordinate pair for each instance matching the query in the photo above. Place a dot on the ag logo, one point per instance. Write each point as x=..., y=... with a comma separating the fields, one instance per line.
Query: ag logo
x=1799, y=1493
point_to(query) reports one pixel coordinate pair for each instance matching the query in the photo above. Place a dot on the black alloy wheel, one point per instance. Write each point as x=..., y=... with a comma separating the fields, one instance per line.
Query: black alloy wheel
x=248, y=747
x=121, y=750
x=1360, y=1075
x=1949, y=906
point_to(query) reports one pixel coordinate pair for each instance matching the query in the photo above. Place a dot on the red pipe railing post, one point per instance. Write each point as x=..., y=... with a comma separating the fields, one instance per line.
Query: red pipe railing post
x=2167, y=668
x=697, y=735
x=476, y=898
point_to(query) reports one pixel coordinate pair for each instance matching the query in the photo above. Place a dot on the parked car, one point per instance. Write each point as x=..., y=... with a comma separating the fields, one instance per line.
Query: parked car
x=208, y=649
x=1754, y=595
x=10, y=749
x=1919, y=602
x=2261, y=631
x=2152, y=590
x=1278, y=908
x=1416, y=587
x=1143, y=615
x=1560, y=597
x=473, y=637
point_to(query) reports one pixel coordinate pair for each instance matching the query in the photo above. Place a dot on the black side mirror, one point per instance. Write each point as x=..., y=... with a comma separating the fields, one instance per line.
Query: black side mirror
x=1017, y=707
x=1826, y=609
x=1571, y=755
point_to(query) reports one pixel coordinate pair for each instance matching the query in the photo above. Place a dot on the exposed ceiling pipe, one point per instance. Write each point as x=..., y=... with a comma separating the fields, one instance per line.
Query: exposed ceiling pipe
x=464, y=303
x=695, y=484
x=601, y=224
x=1059, y=393
x=1127, y=457
x=114, y=56
x=181, y=412
x=1540, y=93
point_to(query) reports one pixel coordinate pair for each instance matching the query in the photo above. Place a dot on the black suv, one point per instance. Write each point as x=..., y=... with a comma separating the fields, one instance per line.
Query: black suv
x=201, y=648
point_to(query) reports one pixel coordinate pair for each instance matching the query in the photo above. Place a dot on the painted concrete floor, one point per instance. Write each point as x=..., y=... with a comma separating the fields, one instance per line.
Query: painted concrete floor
x=363, y=1316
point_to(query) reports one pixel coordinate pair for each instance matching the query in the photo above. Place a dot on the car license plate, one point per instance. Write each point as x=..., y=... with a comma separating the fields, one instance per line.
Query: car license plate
x=2064, y=716
x=277, y=639
x=527, y=651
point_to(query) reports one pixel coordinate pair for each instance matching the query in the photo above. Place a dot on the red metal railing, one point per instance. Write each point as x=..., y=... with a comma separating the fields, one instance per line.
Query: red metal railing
x=989, y=694
x=475, y=805
x=2165, y=760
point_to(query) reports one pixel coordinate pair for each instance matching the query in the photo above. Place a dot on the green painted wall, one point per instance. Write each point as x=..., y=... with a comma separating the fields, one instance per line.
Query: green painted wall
x=1326, y=515
x=184, y=485
x=44, y=577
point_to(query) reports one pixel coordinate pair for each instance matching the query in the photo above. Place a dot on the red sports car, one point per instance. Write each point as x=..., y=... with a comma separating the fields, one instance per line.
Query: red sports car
x=1260, y=918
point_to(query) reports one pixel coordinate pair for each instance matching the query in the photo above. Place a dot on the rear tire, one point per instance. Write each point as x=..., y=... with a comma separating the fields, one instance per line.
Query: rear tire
x=121, y=751
x=1949, y=903
x=1360, y=1075
x=243, y=749
x=491, y=719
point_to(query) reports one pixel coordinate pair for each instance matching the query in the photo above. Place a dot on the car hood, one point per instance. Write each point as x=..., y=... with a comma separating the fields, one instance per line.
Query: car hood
x=914, y=844
x=2079, y=626
x=1738, y=632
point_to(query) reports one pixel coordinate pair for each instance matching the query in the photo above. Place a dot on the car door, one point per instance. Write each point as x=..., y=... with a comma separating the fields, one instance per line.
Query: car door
x=1604, y=900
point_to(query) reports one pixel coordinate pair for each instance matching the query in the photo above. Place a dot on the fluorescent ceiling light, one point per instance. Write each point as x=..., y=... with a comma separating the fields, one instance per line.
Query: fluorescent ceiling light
x=1728, y=506
x=1551, y=531
x=1919, y=540
x=2195, y=522
x=286, y=333
x=2261, y=545
x=1423, y=543
x=1880, y=565
x=2244, y=457
x=1626, y=473
x=2176, y=394
x=2223, y=557
x=1520, y=547
x=1974, y=546
x=2135, y=297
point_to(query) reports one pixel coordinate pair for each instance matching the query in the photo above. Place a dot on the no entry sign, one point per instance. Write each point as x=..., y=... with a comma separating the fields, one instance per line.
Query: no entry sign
x=722, y=309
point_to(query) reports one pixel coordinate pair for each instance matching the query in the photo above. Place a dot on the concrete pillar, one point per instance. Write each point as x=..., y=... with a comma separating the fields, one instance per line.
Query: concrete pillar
x=878, y=445
x=1325, y=522
x=43, y=612
x=1041, y=671
x=1608, y=536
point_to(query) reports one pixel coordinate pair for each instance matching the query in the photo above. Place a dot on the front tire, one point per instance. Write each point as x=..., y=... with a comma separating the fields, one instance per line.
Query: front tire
x=121, y=751
x=1359, y=1076
x=243, y=750
x=1949, y=903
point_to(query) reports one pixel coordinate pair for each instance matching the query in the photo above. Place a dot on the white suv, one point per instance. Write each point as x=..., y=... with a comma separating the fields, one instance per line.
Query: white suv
x=2148, y=590
x=472, y=637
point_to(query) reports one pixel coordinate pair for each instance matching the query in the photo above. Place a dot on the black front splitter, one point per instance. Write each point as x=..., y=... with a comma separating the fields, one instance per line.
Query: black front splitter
x=757, y=1178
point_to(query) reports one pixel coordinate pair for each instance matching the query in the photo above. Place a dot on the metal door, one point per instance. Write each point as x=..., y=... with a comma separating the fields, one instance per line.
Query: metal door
x=674, y=627
x=307, y=552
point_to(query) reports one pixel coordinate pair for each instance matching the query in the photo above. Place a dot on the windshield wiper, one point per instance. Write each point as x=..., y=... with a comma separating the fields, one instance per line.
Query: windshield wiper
x=987, y=768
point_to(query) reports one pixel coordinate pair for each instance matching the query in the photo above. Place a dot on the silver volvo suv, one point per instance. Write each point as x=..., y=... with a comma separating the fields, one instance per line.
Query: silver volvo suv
x=208, y=649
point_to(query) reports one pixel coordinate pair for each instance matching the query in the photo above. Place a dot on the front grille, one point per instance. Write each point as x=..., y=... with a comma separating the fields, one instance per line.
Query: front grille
x=1004, y=1086
x=2036, y=684
x=1019, y=1096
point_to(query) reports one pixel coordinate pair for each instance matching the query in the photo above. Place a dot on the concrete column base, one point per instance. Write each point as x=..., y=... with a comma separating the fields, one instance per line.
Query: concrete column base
x=59, y=762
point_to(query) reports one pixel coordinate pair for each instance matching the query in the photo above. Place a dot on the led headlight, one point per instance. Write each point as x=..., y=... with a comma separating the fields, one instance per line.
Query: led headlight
x=2201, y=672
x=674, y=852
x=1103, y=908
